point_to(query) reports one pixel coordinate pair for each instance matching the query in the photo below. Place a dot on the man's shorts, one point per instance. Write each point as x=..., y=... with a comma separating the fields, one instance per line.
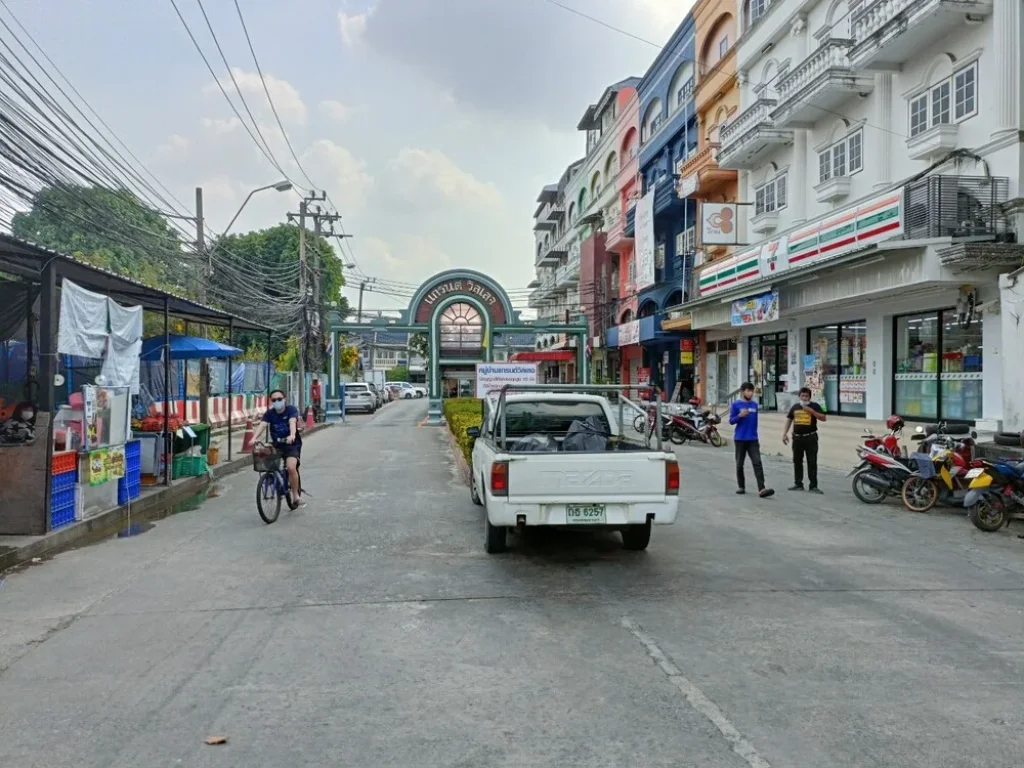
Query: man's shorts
x=291, y=451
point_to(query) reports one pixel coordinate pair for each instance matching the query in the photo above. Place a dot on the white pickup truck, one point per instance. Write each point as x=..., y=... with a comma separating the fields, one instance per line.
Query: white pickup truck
x=558, y=456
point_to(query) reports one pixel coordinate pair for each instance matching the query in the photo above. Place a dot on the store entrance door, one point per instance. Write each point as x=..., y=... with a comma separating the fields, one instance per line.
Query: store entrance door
x=769, y=367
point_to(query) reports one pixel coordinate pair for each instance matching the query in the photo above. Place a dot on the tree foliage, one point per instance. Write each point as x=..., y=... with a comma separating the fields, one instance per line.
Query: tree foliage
x=107, y=228
x=398, y=373
x=349, y=359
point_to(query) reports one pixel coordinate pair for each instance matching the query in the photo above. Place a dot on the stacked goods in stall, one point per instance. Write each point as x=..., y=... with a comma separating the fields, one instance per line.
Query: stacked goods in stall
x=129, y=487
x=63, y=490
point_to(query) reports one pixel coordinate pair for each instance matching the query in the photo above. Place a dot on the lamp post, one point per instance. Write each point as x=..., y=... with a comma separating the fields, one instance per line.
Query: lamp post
x=280, y=186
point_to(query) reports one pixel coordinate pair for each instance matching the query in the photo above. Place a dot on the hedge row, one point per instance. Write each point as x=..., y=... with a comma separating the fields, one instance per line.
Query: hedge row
x=461, y=413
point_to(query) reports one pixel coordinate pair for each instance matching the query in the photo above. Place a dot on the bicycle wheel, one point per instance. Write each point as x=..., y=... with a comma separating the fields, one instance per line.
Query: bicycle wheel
x=268, y=502
x=288, y=496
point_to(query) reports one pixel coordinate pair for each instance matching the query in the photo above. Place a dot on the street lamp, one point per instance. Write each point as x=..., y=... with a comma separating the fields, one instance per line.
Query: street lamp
x=281, y=186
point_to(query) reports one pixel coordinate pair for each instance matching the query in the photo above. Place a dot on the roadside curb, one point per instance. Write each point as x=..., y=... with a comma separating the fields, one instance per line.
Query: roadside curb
x=460, y=460
x=110, y=522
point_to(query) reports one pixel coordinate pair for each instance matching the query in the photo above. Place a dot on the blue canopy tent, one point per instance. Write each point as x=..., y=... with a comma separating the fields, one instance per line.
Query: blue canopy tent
x=185, y=348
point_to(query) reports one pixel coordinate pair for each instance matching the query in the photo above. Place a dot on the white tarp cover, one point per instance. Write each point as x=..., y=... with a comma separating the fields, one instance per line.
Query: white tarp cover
x=121, y=366
x=125, y=322
x=83, y=322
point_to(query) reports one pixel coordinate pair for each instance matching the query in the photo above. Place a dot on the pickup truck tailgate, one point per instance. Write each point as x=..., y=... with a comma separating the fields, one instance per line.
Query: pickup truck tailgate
x=619, y=478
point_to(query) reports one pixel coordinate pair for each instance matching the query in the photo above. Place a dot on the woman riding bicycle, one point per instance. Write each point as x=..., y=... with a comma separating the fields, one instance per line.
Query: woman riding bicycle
x=282, y=421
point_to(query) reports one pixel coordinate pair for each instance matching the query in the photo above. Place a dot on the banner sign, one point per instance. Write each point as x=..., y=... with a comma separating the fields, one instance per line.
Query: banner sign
x=491, y=377
x=763, y=308
x=629, y=333
x=849, y=230
x=644, y=232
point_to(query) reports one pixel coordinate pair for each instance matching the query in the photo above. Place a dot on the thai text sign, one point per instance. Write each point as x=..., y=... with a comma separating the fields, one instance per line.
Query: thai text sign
x=491, y=377
x=763, y=308
x=629, y=333
x=644, y=227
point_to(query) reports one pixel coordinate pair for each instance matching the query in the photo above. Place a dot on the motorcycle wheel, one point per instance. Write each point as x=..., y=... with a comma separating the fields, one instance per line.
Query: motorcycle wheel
x=677, y=436
x=716, y=439
x=987, y=517
x=640, y=424
x=865, y=493
x=920, y=495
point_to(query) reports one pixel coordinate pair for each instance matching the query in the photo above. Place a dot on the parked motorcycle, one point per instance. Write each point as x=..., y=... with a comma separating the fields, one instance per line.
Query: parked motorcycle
x=891, y=441
x=944, y=478
x=695, y=424
x=879, y=475
x=995, y=495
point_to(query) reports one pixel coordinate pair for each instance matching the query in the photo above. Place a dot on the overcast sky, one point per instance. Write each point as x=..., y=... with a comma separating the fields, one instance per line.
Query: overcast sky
x=431, y=123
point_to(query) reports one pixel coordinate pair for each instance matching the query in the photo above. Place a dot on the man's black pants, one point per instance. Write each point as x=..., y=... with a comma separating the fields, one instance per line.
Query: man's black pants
x=751, y=448
x=805, y=445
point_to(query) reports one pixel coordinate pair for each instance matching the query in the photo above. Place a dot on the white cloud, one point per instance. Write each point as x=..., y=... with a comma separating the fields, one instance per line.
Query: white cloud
x=175, y=147
x=220, y=126
x=286, y=97
x=409, y=258
x=340, y=172
x=353, y=26
x=335, y=110
x=431, y=172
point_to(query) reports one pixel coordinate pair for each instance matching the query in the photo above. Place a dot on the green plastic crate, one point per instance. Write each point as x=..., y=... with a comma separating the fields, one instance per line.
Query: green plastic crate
x=188, y=466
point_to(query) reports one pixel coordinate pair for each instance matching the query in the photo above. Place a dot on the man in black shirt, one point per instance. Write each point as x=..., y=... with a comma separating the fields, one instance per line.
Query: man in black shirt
x=803, y=418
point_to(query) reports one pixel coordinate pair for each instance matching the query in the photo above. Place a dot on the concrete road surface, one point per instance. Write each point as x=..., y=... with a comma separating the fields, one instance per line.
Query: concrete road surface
x=370, y=629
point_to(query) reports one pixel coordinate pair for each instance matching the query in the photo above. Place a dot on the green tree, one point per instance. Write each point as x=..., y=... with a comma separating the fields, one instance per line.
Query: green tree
x=269, y=256
x=419, y=345
x=109, y=228
x=398, y=373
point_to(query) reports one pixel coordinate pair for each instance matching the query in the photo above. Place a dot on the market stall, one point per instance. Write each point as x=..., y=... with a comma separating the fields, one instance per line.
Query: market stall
x=172, y=433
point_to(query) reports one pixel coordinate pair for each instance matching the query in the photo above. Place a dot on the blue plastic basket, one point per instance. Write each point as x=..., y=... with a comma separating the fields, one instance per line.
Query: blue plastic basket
x=61, y=516
x=63, y=481
x=133, y=450
x=128, y=490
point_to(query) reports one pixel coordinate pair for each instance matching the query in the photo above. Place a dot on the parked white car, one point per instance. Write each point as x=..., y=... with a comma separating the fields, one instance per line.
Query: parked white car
x=359, y=397
x=543, y=458
x=410, y=391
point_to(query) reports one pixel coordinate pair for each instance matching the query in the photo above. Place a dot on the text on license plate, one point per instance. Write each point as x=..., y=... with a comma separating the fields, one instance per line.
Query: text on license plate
x=974, y=472
x=584, y=514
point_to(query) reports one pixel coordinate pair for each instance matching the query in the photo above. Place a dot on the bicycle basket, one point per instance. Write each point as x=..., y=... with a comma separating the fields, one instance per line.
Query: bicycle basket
x=266, y=460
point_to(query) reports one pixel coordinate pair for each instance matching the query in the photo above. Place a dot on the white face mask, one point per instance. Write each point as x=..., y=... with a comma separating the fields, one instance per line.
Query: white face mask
x=279, y=405
x=27, y=415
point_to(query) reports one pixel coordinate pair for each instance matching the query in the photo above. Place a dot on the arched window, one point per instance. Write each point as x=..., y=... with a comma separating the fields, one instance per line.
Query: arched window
x=611, y=165
x=629, y=144
x=674, y=299
x=627, y=317
x=461, y=328
x=653, y=118
x=838, y=21
x=572, y=213
x=647, y=309
x=595, y=185
x=718, y=42
x=681, y=89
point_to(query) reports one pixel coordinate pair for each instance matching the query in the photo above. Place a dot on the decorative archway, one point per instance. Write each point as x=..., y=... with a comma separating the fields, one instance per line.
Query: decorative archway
x=460, y=310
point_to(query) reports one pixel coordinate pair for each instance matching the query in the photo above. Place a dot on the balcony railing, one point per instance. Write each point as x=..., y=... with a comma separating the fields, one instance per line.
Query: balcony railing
x=889, y=32
x=955, y=206
x=819, y=84
x=750, y=135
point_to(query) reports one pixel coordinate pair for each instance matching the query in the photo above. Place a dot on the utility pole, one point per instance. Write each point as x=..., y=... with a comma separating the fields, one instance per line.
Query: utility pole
x=305, y=311
x=319, y=219
x=204, y=371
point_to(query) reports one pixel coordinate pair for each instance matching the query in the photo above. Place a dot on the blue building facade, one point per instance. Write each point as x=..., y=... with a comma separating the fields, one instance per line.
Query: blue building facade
x=668, y=131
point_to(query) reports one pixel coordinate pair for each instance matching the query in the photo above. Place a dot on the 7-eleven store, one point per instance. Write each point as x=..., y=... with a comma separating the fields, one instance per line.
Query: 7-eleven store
x=857, y=305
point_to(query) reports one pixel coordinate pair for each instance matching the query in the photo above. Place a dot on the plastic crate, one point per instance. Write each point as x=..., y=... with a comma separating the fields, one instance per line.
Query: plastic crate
x=61, y=516
x=63, y=498
x=128, y=490
x=64, y=461
x=188, y=466
x=62, y=482
x=133, y=450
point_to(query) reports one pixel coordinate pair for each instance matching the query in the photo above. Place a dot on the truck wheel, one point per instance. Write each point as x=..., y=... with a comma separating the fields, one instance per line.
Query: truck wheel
x=473, y=494
x=636, y=537
x=495, y=538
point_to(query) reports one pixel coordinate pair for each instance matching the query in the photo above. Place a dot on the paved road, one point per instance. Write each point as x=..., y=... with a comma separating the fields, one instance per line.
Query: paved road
x=371, y=630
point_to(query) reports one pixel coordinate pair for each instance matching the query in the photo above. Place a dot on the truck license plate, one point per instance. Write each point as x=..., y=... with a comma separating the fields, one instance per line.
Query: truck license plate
x=584, y=514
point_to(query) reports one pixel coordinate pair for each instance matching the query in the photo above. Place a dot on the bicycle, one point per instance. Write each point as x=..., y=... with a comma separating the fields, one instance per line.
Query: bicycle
x=272, y=485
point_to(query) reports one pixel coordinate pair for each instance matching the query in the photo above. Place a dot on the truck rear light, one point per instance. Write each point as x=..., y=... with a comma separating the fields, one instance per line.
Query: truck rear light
x=499, y=478
x=671, y=478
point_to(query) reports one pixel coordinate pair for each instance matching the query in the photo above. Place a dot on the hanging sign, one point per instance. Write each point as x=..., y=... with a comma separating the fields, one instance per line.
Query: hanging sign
x=98, y=467
x=645, y=247
x=115, y=462
x=491, y=377
x=763, y=308
x=629, y=333
x=719, y=224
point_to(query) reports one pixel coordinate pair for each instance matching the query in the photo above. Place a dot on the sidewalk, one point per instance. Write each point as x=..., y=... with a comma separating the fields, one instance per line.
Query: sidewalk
x=156, y=499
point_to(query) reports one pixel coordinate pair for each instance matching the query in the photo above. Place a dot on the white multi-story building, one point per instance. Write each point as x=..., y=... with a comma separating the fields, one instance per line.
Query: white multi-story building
x=879, y=150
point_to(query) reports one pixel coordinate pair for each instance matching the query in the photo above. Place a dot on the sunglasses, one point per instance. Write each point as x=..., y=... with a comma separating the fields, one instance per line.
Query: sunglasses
x=277, y=399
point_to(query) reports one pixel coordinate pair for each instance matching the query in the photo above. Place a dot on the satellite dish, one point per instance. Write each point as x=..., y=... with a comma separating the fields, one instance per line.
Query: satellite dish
x=58, y=380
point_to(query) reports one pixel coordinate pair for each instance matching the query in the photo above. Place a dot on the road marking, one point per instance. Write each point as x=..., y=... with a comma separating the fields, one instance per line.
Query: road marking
x=696, y=698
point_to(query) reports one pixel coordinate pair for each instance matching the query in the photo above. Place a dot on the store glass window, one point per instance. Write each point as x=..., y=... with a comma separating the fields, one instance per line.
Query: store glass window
x=938, y=374
x=840, y=353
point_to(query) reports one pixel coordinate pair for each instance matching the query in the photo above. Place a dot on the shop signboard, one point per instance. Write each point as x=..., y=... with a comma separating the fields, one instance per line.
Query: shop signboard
x=645, y=247
x=115, y=462
x=491, y=377
x=629, y=333
x=686, y=351
x=813, y=378
x=852, y=229
x=643, y=375
x=763, y=308
x=719, y=224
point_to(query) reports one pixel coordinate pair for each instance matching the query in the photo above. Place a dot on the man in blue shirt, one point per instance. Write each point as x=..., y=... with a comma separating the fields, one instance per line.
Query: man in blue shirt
x=743, y=415
x=282, y=422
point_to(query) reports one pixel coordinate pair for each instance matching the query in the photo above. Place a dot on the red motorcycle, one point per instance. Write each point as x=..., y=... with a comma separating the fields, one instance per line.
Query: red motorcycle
x=890, y=443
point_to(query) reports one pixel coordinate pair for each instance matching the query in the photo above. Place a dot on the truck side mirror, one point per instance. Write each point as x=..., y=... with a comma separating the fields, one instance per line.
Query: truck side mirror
x=473, y=432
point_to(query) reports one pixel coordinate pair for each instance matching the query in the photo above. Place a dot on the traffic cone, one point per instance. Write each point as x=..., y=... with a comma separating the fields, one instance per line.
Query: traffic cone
x=247, y=438
x=309, y=417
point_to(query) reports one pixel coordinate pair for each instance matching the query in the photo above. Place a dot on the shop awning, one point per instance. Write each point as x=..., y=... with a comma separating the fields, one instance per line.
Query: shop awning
x=545, y=356
x=186, y=348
